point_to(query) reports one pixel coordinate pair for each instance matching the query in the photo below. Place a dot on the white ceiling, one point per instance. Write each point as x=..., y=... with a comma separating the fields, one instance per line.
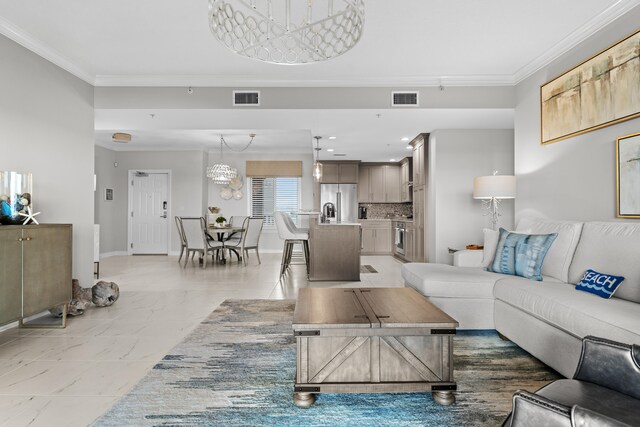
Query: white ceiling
x=405, y=43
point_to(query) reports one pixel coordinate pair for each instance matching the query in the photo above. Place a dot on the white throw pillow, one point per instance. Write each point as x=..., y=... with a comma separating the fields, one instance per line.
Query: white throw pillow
x=491, y=238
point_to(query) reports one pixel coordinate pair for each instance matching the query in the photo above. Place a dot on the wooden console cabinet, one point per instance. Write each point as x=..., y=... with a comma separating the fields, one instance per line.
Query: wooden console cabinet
x=35, y=269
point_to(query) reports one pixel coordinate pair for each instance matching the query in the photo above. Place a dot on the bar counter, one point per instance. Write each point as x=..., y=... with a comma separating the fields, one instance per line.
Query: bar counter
x=334, y=251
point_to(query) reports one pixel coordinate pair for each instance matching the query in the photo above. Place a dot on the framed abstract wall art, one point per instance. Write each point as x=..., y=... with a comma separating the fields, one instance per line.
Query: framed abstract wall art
x=603, y=90
x=628, y=176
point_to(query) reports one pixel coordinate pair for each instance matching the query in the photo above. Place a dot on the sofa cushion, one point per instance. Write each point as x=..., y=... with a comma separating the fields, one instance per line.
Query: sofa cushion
x=612, y=247
x=441, y=280
x=491, y=238
x=521, y=254
x=578, y=313
x=557, y=261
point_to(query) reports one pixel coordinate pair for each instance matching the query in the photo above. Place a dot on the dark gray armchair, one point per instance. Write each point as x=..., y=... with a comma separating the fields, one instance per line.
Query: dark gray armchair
x=604, y=391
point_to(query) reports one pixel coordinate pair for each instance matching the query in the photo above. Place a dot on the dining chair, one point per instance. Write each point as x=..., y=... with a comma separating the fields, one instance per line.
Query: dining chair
x=237, y=221
x=183, y=241
x=196, y=240
x=250, y=240
x=235, y=242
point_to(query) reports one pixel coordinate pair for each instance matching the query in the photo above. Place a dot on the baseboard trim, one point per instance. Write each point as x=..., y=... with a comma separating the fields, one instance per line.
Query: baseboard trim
x=114, y=253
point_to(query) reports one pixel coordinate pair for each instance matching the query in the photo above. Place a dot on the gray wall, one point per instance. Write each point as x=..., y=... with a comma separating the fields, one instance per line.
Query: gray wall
x=455, y=157
x=572, y=178
x=301, y=97
x=46, y=117
x=187, y=169
x=106, y=212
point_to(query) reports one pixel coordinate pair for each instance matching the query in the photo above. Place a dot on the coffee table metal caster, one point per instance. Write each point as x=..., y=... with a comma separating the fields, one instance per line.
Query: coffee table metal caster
x=444, y=397
x=304, y=400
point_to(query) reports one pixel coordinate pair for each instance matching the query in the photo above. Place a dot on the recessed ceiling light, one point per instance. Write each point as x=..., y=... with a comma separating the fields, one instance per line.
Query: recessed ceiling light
x=332, y=137
x=392, y=160
x=405, y=139
x=330, y=149
x=409, y=147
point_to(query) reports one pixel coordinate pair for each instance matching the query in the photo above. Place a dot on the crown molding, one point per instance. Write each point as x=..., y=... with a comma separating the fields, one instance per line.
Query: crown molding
x=252, y=81
x=595, y=24
x=34, y=45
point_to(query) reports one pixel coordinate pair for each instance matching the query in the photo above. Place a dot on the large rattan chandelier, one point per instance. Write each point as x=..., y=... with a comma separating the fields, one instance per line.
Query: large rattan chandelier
x=287, y=31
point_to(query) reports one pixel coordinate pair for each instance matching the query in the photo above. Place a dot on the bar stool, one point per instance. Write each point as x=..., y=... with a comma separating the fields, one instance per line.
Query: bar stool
x=291, y=236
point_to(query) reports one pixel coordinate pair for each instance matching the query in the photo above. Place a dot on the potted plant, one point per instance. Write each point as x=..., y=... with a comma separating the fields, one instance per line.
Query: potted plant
x=221, y=221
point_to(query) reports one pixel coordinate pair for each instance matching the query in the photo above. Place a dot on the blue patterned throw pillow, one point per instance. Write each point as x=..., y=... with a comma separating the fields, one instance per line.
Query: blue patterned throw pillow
x=603, y=285
x=521, y=254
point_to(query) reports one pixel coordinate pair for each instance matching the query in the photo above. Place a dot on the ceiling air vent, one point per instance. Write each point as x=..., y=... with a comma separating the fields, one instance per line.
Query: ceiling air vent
x=246, y=98
x=404, y=99
x=339, y=155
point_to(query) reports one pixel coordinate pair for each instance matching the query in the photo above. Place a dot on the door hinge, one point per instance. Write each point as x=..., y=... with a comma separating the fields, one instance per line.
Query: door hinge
x=132, y=183
x=131, y=245
x=131, y=214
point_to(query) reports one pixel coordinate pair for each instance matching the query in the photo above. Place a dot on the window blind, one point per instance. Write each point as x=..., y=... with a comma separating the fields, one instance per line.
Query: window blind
x=269, y=195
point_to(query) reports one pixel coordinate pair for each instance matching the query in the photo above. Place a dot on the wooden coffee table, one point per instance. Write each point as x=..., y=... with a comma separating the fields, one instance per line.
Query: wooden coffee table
x=371, y=340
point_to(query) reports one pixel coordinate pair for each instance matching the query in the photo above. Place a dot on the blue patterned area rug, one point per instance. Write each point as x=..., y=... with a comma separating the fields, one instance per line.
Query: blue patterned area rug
x=238, y=366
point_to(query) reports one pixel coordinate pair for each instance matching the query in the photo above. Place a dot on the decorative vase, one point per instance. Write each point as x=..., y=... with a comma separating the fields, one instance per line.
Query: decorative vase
x=15, y=196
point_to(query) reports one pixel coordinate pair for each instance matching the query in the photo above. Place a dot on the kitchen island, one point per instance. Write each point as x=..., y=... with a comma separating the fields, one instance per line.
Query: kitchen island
x=334, y=251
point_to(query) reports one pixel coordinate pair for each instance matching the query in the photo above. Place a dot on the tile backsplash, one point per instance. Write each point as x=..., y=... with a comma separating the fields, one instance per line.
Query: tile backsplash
x=387, y=210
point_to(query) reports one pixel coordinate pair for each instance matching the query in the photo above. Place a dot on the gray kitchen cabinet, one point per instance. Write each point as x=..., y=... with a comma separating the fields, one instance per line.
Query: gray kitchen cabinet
x=392, y=184
x=339, y=173
x=409, y=244
x=364, y=179
x=419, y=159
x=330, y=173
x=379, y=184
x=383, y=240
x=418, y=224
x=36, y=269
x=368, y=240
x=376, y=237
x=406, y=193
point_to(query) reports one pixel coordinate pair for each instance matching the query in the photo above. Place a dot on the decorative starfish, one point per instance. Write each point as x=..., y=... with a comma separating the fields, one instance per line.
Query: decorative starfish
x=29, y=216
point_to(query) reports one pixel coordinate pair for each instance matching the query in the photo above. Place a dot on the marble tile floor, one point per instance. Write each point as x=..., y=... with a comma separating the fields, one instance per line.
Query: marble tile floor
x=52, y=377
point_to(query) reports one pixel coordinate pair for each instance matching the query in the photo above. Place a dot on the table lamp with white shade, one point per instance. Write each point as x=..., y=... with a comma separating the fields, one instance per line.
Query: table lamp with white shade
x=491, y=190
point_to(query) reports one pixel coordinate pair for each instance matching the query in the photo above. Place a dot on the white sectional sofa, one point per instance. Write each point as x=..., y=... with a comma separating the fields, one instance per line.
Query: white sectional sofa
x=548, y=318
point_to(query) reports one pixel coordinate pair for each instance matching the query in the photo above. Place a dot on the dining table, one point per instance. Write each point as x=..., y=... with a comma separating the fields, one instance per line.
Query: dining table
x=223, y=233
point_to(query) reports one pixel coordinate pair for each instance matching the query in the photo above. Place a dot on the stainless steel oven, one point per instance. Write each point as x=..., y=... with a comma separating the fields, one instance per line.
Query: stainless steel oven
x=401, y=238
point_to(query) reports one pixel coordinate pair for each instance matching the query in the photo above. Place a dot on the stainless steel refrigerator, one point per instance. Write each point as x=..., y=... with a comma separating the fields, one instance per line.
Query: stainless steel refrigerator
x=344, y=198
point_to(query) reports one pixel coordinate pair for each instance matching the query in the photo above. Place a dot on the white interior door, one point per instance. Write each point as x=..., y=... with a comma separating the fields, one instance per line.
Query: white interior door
x=149, y=213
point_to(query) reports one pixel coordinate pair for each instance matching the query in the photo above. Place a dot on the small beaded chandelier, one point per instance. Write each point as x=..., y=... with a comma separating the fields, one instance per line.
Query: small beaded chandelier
x=221, y=173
